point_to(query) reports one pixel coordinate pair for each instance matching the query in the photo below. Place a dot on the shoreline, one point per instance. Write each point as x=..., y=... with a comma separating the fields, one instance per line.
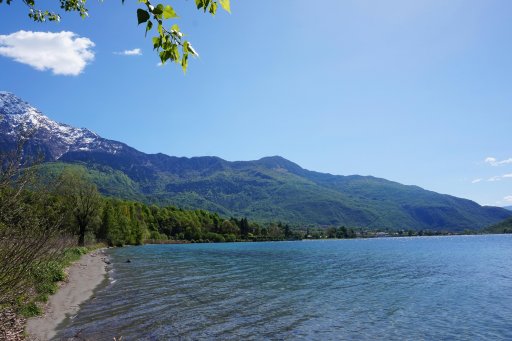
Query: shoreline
x=84, y=276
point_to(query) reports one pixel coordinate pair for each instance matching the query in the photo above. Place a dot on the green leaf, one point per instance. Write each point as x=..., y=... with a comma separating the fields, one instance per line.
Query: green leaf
x=199, y=4
x=176, y=33
x=149, y=26
x=176, y=30
x=142, y=15
x=169, y=12
x=205, y=4
x=213, y=8
x=166, y=43
x=157, y=42
x=226, y=5
x=190, y=49
x=163, y=56
x=184, y=62
x=158, y=10
x=175, y=54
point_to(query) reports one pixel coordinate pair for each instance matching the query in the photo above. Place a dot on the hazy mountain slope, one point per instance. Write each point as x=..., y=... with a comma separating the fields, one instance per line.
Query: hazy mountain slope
x=504, y=226
x=271, y=188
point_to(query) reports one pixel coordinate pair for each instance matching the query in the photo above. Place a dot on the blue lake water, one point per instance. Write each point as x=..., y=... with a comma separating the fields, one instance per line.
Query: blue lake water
x=429, y=288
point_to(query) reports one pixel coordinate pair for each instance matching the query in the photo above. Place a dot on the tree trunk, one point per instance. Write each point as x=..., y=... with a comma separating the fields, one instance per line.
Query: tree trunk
x=81, y=236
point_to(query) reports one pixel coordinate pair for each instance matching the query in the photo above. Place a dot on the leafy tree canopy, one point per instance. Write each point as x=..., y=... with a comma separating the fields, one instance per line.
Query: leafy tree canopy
x=169, y=39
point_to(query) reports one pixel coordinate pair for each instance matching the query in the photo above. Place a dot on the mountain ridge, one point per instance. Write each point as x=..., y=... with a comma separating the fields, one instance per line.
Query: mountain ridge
x=271, y=188
x=57, y=138
x=504, y=226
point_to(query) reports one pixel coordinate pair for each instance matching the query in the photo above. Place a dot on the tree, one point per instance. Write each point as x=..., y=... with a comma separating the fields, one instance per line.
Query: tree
x=82, y=199
x=167, y=42
x=30, y=223
x=244, y=227
x=227, y=227
x=342, y=232
x=275, y=232
x=287, y=231
x=107, y=221
x=331, y=232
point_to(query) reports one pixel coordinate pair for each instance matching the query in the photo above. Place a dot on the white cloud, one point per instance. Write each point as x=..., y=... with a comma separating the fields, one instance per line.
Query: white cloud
x=64, y=53
x=134, y=52
x=476, y=181
x=494, y=162
x=508, y=198
x=490, y=160
x=498, y=177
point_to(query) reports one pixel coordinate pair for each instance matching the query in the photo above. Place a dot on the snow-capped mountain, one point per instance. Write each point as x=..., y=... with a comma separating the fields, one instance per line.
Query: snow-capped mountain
x=51, y=138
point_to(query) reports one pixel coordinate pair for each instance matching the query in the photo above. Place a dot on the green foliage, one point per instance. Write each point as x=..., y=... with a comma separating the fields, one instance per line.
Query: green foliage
x=168, y=40
x=256, y=192
x=73, y=254
x=31, y=227
x=126, y=222
x=109, y=181
x=45, y=277
x=230, y=238
x=81, y=199
x=30, y=310
x=211, y=5
x=39, y=15
x=275, y=189
x=50, y=271
x=502, y=227
x=214, y=237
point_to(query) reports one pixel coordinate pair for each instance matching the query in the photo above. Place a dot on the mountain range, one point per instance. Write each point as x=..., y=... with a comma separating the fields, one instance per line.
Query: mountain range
x=269, y=189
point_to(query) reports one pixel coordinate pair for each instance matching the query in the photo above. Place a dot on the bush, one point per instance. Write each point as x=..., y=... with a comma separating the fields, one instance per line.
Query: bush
x=230, y=238
x=74, y=254
x=45, y=277
x=155, y=235
x=30, y=310
x=214, y=237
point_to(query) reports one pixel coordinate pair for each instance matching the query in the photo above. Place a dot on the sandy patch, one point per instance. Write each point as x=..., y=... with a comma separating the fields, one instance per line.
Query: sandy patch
x=84, y=276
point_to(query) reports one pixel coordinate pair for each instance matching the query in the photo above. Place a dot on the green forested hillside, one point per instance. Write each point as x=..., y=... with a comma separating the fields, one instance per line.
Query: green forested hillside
x=112, y=182
x=504, y=226
x=275, y=189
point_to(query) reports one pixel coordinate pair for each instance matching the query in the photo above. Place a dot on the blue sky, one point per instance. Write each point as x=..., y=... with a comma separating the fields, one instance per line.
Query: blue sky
x=418, y=92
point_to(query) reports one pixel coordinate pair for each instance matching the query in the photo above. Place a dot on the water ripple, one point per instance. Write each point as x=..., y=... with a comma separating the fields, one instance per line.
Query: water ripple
x=455, y=288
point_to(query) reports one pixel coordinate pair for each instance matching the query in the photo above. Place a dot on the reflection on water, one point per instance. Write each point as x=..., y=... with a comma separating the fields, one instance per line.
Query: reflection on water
x=433, y=288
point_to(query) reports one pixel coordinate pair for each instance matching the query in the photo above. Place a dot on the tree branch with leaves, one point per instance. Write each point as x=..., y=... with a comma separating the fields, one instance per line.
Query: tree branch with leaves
x=169, y=39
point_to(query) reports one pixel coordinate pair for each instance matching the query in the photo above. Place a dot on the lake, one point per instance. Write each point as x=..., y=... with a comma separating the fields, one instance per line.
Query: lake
x=423, y=288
